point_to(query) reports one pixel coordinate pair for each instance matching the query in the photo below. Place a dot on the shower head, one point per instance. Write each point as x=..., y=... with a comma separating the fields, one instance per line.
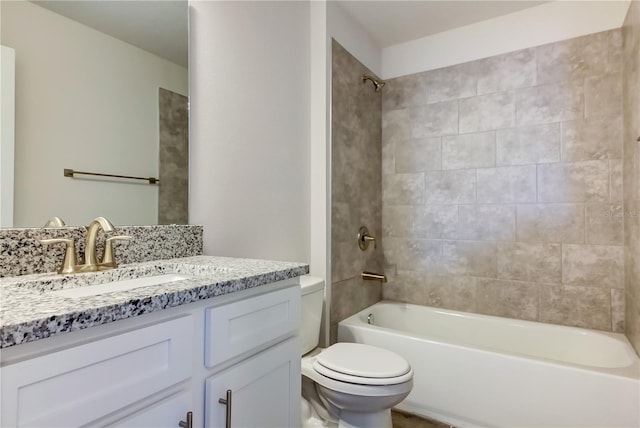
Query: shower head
x=377, y=83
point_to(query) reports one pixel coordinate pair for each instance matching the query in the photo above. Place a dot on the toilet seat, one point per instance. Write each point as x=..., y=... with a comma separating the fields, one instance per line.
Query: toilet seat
x=360, y=364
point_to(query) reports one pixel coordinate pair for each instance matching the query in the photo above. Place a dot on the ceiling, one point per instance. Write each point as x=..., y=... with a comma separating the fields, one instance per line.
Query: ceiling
x=157, y=26
x=396, y=21
x=161, y=27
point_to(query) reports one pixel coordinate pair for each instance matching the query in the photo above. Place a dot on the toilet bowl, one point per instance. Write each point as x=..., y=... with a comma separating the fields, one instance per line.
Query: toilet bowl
x=347, y=385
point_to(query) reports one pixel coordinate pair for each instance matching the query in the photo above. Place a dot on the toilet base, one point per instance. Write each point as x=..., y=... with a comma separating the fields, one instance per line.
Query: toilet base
x=381, y=419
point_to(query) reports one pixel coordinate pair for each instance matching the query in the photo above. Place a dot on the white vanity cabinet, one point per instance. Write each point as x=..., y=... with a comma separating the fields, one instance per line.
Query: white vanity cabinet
x=264, y=389
x=82, y=384
x=149, y=371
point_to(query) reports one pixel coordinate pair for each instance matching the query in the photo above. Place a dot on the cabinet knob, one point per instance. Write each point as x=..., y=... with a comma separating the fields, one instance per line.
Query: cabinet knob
x=227, y=403
x=188, y=423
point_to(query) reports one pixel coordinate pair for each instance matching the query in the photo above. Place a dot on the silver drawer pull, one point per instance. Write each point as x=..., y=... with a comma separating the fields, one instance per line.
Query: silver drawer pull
x=189, y=421
x=227, y=403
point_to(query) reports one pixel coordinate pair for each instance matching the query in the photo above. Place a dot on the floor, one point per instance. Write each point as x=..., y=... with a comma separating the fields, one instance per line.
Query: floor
x=407, y=420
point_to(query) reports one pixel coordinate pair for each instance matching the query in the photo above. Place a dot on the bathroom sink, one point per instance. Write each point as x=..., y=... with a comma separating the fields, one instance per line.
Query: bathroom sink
x=119, y=286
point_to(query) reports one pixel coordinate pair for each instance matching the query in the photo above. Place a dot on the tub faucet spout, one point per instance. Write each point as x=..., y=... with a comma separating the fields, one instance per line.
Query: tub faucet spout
x=371, y=276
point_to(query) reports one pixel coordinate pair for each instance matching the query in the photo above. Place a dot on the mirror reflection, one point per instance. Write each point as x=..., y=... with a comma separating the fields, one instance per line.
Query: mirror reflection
x=100, y=86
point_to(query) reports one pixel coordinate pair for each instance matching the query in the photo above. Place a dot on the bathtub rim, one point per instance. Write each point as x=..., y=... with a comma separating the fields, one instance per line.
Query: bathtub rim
x=632, y=371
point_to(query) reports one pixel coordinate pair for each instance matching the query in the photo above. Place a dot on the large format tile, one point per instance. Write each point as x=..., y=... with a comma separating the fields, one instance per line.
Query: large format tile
x=509, y=71
x=586, y=181
x=451, y=292
x=616, y=188
x=406, y=221
x=402, y=189
x=573, y=59
x=604, y=224
x=507, y=298
x=472, y=258
x=406, y=91
x=487, y=222
x=407, y=286
x=507, y=184
x=434, y=120
x=562, y=223
x=586, y=307
x=359, y=134
x=410, y=254
x=549, y=103
x=530, y=262
x=594, y=138
x=528, y=145
x=632, y=321
x=396, y=126
x=450, y=83
x=418, y=155
x=469, y=151
x=616, y=59
x=487, y=112
x=351, y=296
x=450, y=187
x=617, y=310
x=593, y=265
x=603, y=95
x=441, y=221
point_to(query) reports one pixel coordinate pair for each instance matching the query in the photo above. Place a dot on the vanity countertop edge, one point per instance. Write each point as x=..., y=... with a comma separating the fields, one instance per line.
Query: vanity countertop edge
x=30, y=313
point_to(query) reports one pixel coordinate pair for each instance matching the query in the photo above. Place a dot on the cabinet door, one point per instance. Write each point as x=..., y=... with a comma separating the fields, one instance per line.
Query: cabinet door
x=79, y=385
x=265, y=390
x=166, y=413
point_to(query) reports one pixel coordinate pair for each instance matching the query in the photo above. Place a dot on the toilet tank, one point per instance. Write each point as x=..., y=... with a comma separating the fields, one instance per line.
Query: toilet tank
x=312, y=289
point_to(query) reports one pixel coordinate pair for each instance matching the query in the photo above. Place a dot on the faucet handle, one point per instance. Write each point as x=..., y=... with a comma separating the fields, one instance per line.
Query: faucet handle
x=69, y=260
x=364, y=238
x=54, y=222
x=108, y=258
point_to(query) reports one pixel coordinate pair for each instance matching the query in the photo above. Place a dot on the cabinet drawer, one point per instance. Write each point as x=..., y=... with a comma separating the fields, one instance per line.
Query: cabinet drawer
x=247, y=325
x=79, y=385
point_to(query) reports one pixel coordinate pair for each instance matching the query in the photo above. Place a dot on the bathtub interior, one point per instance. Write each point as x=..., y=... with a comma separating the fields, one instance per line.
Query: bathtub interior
x=564, y=344
x=464, y=376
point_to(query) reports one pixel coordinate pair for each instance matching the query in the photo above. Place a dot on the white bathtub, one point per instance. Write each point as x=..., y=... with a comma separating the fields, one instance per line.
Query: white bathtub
x=476, y=370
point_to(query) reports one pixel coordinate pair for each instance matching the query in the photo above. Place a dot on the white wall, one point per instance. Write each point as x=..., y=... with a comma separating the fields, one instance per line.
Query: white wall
x=86, y=101
x=547, y=23
x=346, y=31
x=320, y=130
x=7, y=122
x=249, y=130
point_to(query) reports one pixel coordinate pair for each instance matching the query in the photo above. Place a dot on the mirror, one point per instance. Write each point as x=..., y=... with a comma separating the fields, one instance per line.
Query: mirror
x=100, y=86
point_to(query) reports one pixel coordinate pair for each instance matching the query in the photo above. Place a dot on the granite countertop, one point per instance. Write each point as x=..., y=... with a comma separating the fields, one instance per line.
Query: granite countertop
x=29, y=311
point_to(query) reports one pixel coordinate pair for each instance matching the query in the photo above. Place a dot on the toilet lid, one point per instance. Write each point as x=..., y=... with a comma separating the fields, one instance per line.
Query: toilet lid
x=364, y=364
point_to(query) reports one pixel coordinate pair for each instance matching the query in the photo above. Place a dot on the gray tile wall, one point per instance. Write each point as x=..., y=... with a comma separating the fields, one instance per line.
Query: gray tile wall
x=502, y=185
x=631, y=172
x=356, y=186
x=173, y=191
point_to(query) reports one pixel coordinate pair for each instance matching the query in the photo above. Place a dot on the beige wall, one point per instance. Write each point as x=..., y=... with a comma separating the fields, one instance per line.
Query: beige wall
x=631, y=171
x=355, y=186
x=87, y=101
x=502, y=185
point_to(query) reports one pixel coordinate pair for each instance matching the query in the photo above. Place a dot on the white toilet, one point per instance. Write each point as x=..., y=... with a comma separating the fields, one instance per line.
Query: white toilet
x=347, y=384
